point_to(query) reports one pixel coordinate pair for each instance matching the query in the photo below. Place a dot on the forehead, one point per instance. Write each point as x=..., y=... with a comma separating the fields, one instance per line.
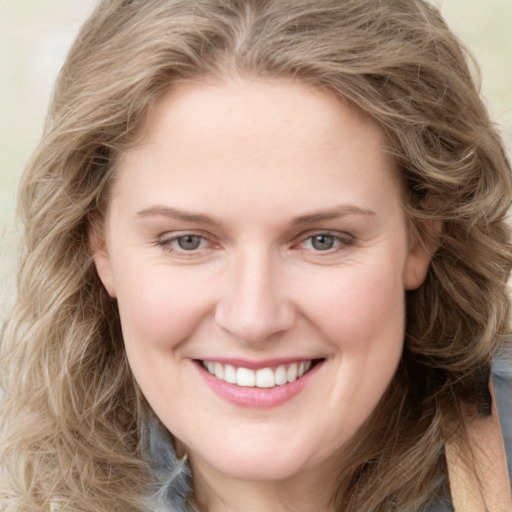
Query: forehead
x=279, y=139
x=249, y=107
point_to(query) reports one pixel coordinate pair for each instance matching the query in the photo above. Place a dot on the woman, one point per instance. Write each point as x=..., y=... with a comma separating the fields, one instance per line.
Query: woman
x=265, y=267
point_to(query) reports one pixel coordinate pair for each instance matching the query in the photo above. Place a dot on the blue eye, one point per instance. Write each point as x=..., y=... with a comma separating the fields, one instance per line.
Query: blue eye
x=189, y=242
x=323, y=242
x=185, y=243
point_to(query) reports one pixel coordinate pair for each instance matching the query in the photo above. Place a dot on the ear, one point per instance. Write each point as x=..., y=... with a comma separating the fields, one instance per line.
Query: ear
x=101, y=258
x=424, y=243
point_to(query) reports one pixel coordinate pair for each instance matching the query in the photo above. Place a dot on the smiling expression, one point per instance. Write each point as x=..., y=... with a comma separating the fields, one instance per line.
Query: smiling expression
x=258, y=251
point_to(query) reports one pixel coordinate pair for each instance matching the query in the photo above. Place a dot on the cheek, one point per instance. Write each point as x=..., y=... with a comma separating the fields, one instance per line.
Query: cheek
x=362, y=316
x=160, y=308
x=360, y=307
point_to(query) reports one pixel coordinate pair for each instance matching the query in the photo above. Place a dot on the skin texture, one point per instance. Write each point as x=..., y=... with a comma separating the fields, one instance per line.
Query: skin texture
x=256, y=158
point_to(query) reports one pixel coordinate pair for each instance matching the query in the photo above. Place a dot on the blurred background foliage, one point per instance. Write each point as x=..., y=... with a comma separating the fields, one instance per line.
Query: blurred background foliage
x=36, y=34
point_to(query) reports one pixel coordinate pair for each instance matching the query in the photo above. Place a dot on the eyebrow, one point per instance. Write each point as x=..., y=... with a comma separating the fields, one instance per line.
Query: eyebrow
x=176, y=213
x=333, y=213
x=184, y=215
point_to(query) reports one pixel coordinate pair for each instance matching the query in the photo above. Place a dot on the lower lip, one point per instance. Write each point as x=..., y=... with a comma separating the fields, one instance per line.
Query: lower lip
x=257, y=398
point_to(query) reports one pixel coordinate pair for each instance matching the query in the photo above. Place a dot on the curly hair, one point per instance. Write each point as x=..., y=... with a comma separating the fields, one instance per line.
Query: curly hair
x=70, y=424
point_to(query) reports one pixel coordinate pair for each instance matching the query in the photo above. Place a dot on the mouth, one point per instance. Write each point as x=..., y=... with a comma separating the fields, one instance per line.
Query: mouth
x=263, y=378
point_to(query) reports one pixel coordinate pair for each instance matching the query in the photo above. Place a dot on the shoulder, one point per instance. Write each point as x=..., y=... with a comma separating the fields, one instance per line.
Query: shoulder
x=502, y=384
x=502, y=381
x=172, y=476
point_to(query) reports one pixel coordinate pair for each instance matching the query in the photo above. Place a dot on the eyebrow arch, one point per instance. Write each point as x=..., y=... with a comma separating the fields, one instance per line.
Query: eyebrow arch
x=176, y=213
x=184, y=215
x=333, y=213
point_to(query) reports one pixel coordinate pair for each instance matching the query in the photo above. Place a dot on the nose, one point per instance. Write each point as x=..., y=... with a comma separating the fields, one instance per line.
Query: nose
x=253, y=306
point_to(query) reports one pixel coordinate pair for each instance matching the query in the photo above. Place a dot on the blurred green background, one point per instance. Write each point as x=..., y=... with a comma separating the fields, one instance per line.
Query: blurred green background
x=35, y=36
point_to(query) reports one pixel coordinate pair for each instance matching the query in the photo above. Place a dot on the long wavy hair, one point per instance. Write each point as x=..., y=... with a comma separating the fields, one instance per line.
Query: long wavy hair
x=71, y=411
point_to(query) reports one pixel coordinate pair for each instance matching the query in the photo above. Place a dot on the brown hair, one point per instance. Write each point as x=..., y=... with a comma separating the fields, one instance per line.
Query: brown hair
x=71, y=410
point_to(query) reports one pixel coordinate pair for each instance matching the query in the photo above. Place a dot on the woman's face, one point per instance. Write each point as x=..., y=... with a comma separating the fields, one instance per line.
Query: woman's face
x=256, y=233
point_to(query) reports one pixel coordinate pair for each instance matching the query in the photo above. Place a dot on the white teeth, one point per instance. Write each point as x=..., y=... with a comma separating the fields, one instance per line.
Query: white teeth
x=265, y=378
x=245, y=377
x=262, y=378
x=229, y=374
x=219, y=371
x=291, y=373
x=280, y=376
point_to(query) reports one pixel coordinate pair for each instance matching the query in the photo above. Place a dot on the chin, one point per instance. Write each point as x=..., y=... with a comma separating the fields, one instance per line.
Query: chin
x=257, y=465
x=261, y=472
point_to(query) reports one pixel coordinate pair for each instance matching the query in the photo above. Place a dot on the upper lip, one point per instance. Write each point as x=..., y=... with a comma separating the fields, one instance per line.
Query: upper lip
x=256, y=365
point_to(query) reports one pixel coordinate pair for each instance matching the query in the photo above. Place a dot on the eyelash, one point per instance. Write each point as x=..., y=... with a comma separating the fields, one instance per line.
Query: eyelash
x=340, y=240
